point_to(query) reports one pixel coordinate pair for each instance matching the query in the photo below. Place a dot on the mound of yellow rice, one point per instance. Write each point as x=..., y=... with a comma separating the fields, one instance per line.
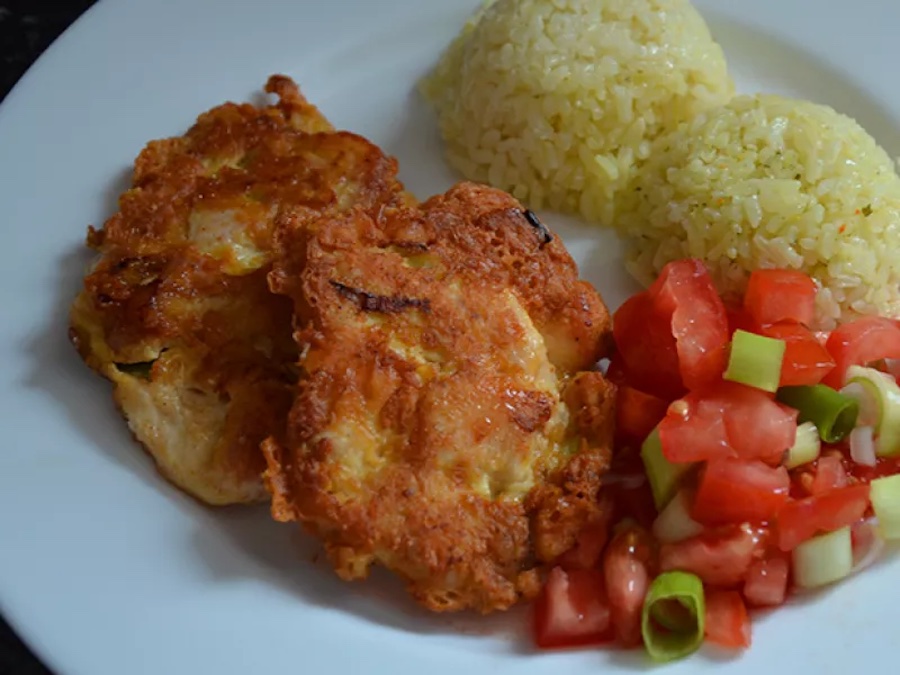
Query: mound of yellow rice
x=557, y=101
x=766, y=181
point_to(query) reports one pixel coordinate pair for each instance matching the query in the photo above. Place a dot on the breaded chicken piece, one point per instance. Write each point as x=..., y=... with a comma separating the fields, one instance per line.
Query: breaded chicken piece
x=177, y=312
x=446, y=427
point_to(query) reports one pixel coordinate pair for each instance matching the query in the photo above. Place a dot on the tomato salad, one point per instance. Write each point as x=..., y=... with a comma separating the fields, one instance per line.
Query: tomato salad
x=755, y=456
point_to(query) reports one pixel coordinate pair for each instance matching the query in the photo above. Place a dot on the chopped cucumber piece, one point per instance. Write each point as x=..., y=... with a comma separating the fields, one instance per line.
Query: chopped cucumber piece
x=755, y=360
x=806, y=448
x=674, y=522
x=664, y=476
x=885, y=496
x=824, y=559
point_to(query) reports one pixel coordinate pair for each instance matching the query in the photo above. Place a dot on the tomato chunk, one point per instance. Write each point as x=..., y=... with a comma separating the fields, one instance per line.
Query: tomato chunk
x=626, y=569
x=736, y=491
x=637, y=414
x=860, y=342
x=674, y=335
x=806, y=361
x=572, y=610
x=766, y=584
x=720, y=558
x=830, y=474
x=730, y=420
x=727, y=621
x=780, y=295
x=804, y=518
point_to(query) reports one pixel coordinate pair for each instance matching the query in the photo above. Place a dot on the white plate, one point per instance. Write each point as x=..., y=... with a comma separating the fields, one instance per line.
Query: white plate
x=107, y=570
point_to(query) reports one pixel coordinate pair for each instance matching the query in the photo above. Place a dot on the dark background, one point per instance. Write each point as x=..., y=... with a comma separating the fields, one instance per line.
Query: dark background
x=27, y=27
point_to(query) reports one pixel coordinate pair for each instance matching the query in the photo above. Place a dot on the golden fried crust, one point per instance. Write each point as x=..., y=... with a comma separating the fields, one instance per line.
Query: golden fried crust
x=433, y=431
x=177, y=310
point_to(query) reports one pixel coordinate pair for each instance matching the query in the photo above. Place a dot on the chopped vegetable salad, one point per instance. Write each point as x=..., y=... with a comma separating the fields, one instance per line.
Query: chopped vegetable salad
x=755, y=456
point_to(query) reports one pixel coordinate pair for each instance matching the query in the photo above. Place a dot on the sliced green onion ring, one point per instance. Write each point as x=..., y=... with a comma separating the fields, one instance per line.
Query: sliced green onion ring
x=883, y=389
x=833, y=413
x=885, y=496
x=806, y=448
x=824, y=559
x=685, y=635
x=664, y=476
x=755, y=360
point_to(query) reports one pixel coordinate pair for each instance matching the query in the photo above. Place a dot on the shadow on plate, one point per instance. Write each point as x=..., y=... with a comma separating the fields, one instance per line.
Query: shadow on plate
x=244, y=542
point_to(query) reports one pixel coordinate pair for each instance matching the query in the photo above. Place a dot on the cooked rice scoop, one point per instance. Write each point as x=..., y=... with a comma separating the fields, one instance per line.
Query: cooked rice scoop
x=177, y=312
x=446, y=426
x=557, y=101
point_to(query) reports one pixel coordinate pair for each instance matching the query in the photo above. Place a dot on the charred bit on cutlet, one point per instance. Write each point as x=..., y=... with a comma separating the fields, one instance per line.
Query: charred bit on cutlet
x=535, y=222
x=370, y=302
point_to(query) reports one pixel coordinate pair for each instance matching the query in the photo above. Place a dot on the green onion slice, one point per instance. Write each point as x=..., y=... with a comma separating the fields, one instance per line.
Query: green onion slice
x=806, y=448
x=885, y=496
x=824, y=559
x=833, y=413
x=679, y=596
x=755, y=360
x=664, y=476
x=883, y=390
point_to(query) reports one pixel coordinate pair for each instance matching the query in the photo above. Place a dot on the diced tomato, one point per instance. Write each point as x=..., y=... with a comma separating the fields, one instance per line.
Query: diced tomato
x=727, y=622
x=830, y=474
x=720, y=558
x=626, y=569
x=737, y=491
x=674, y=335
x=572, y=610
x=730, y=420
x=802, y=519
x=766, y=584
x=780, y=295
x=806, y=361
x=740, y=319
x=637, y=414
x=860, y=342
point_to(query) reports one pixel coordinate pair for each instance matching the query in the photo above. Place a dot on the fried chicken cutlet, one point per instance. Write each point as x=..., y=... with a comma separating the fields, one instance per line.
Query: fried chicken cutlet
x=177, y=313
x=447, y=426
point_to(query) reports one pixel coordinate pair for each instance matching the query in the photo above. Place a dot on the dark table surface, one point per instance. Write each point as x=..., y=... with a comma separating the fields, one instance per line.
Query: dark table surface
x=27, y=27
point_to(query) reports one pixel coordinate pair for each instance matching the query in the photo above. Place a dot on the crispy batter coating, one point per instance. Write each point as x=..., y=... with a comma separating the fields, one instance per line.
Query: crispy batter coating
x=177, y=310
x=443, y=427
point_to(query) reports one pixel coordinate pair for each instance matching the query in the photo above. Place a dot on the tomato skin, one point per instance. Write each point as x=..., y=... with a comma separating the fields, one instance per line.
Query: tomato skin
x=766, y=584
x=800, y=520
x=775, y=295
x=727, y=621
x=637, y=414
x=720, y=558
x=729, y=420
x=648, y=353
x=572, y=610
x=674, y=335
x=860, y=342
x=830, y=474
x=733, y=491
x=806, y=361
